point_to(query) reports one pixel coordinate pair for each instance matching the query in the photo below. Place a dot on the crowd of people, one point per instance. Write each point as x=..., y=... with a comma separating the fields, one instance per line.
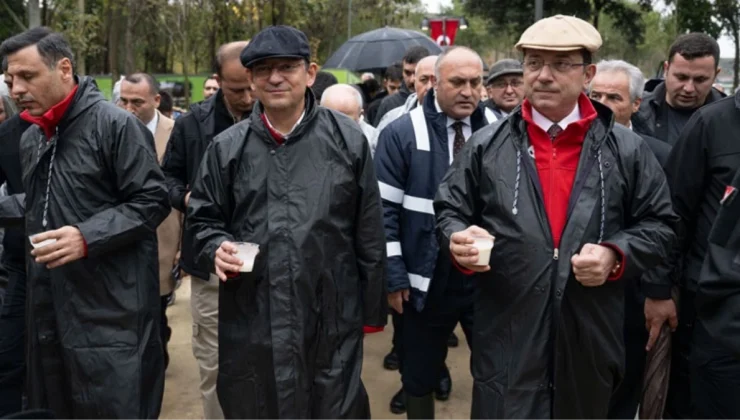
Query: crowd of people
x=612, y=212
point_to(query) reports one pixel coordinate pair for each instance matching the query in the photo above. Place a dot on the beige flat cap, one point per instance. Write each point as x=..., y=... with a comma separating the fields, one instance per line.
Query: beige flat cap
x=560, y=33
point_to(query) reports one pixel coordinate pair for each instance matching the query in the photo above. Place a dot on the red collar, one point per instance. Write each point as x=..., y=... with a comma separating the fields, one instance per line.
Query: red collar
x=51, y=118
x=588, y=114
x=274, y=133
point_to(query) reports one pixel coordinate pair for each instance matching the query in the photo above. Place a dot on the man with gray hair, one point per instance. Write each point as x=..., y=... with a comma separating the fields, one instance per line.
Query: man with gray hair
x=619, y=85
x=347, y=100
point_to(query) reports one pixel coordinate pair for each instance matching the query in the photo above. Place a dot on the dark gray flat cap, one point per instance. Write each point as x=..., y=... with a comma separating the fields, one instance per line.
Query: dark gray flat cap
x=504, y=67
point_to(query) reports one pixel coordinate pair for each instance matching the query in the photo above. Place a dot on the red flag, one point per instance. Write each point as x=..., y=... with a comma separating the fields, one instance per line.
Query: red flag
x=443, y=31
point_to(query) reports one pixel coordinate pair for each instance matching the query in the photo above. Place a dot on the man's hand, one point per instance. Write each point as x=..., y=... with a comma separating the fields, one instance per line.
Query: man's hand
x=396, y=299
x=657, y=312
x=594, y=264
x=225, y=260
x=461, y=247
x=187, y=199
x=69, y=247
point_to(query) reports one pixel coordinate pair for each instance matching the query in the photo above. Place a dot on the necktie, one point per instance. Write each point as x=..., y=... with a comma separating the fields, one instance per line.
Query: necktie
x=554, y=131
x=459, y=142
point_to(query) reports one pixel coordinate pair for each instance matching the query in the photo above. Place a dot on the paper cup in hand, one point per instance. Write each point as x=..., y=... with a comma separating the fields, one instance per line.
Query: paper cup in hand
x=42, y=243
x=484, y=245
x=247, y=252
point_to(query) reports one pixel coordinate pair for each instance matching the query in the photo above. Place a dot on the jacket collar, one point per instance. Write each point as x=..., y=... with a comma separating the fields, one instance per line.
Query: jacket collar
x=657, y=98
x=309, y=116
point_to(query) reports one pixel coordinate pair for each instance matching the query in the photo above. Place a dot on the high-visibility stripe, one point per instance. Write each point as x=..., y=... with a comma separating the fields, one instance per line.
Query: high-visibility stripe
x=393, y=249
x=421, y=205
x=421, y=132
x=390, y=193
x=490, y=116
x=419, y=282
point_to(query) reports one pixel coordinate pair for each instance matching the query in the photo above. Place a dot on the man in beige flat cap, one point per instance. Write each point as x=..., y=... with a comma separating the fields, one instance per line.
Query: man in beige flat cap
x=577, y=206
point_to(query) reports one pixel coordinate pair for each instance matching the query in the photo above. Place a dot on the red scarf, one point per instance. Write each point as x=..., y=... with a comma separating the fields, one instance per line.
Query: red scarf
x=51, y=118
x=275, y=135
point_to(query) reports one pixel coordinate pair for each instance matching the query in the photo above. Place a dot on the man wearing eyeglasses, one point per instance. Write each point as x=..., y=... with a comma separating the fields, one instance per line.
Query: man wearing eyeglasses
x=505, y=87
x=192, y=134
x=577, y=205
x=296, y=179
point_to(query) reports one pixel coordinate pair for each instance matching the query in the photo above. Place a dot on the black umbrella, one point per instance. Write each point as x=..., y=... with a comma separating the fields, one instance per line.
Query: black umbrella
x=375, y=50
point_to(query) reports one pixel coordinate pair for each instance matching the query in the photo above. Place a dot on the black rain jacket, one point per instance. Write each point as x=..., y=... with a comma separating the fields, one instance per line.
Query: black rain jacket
x=291, y=331
x=93, y=325
x=549, y=346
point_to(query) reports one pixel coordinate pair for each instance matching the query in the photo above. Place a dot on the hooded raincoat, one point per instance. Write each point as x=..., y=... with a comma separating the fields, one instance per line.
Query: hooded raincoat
x=93, y=341
x=291, y=331
x=549, y=346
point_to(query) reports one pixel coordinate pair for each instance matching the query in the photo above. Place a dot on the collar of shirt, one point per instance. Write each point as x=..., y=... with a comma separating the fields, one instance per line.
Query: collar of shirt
x=286, y=135
x=544, y=123
x=152, y=125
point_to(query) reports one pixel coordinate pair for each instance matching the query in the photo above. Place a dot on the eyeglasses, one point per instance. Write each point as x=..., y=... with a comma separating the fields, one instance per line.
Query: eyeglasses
x=560, y=66
x=503, y=84
x=263, y=71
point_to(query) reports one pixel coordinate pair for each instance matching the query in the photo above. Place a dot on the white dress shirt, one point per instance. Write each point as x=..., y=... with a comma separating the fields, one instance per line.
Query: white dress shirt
x=152, y=125
x=467, y=130
x=544, y=123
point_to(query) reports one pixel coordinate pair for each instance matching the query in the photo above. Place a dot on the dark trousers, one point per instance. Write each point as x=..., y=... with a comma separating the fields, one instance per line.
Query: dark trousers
x=627, y=396
x=12, y=343
x=425, y=334
x=678, y=403
x=715, y=378
x=165, y=331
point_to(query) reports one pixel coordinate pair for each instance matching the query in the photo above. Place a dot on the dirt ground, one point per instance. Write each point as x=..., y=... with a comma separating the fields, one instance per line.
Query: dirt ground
x=182, y=398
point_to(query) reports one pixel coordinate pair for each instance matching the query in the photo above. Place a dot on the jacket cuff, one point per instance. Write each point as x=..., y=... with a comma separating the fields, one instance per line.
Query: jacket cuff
x=459, y=267
x=367, y=329
x=177, y=199
x=656, y=291
x=620, y=258
x=84, y=248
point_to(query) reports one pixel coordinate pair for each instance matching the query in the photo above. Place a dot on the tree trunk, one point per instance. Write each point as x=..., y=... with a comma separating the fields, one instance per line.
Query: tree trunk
x=185, y=52
x=736, y=64
x=34, y=14
x=128, y=38
x=114, y=41
x=81, y=55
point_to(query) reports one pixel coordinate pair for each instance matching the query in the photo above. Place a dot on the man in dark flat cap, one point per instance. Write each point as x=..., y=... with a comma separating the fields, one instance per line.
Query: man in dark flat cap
x=297, y=180
x=505, y=87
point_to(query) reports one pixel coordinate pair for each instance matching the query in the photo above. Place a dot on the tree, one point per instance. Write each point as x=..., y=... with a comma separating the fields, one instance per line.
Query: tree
x=696, y=16
x=519, y=14
x=728, y=14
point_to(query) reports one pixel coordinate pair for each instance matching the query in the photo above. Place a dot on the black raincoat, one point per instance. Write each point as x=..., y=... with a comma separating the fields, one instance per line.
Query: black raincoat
x=93, y=341
x=550, y=347
x=291, y=332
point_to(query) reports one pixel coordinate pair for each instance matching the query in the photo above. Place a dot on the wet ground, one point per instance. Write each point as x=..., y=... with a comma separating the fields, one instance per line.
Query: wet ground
x=182, y=397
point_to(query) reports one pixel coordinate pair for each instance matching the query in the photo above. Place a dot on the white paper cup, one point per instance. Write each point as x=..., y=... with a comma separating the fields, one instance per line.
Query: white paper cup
x=484, y=245
x=40, y=244
x=247, y=252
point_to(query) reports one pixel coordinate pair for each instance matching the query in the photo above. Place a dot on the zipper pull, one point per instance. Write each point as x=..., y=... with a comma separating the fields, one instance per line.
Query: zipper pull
x=556, y=254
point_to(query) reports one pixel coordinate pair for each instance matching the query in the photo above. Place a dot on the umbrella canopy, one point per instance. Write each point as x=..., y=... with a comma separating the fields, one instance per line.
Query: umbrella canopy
x=375, y=50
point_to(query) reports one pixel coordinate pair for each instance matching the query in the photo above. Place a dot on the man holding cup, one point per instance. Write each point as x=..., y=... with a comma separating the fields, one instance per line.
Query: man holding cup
x=576, y=204
x=297, y=180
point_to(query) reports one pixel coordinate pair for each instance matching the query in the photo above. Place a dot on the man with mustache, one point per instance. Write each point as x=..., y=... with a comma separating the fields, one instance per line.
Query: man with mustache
x=413, y=154
x=577, y=205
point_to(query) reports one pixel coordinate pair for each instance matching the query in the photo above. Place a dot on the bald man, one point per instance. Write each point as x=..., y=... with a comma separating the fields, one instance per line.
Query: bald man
x=414, y=153
x=423, y=81
x=192, y=134
x=347, y=100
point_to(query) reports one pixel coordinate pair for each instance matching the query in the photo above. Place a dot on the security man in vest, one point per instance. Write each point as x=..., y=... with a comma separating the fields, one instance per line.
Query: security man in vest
x=413, y=154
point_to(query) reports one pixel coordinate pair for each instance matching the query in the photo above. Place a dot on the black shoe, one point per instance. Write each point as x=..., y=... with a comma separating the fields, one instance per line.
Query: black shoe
x=398, y=402
x=444, y=387
x=420, y=407
x=452, y=341
x=390, y=361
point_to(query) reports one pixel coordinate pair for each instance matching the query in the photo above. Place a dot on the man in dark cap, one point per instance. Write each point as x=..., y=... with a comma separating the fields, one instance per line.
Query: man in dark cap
x=505, y=87
x=297, y=180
